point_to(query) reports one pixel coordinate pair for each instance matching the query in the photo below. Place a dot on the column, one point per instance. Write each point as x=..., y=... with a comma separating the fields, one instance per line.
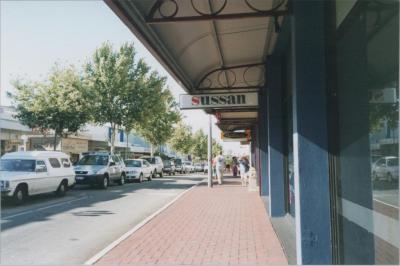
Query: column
x=310, y=141
x=275, y=137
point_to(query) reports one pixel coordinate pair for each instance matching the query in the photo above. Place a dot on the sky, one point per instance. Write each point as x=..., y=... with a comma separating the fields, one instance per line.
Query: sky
x=34, y=35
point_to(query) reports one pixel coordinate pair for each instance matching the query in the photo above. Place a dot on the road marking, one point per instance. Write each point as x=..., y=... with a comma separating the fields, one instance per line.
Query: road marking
x=108, y=248
x=43, y=208
x=385, y=203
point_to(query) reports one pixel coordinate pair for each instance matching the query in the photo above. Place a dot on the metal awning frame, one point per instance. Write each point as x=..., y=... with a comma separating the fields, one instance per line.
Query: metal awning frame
x=218, y=14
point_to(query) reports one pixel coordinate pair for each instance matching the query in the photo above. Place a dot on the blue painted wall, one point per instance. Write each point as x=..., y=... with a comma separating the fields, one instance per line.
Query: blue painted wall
x=311, y=168
x=275, y=137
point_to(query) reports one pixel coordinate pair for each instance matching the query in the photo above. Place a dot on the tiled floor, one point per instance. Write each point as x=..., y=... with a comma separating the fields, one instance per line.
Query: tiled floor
x=222, y=225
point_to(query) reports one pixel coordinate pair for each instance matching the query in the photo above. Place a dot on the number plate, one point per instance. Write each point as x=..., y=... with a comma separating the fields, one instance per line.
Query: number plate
x=79, y=177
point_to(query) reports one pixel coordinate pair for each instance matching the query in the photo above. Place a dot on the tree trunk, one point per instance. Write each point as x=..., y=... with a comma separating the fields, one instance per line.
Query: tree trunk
x=127, y=145
x=113, y=127
x=55, y=140
x=151, y=150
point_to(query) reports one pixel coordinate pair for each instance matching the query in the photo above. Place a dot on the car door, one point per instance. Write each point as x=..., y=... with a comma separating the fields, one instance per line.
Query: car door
x=113, y=167
x=118, y=164
x=379, y=167
x=55, y=175
x=40, y=183
x=147, y=168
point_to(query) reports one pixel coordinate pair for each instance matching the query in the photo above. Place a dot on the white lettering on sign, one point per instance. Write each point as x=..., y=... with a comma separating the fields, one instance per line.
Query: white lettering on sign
x=218, y=100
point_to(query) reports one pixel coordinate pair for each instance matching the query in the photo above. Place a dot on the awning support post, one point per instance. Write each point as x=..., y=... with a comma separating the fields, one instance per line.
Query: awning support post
x=210, y=183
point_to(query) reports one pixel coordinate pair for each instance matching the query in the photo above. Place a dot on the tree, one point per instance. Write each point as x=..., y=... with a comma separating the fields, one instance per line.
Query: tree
x=59, y=103
x=162, y=112
x=200, y=145
x=182, y=140
x=115, y=80
x=216, y=148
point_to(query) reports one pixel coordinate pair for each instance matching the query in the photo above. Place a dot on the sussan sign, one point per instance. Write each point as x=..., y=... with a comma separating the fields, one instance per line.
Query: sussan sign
x=218, y=100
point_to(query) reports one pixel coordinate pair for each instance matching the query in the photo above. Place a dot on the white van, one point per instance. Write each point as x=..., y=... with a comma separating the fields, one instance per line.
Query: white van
x=34, y=172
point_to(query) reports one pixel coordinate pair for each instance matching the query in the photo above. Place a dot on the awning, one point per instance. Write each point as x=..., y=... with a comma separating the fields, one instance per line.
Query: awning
x=209, y=46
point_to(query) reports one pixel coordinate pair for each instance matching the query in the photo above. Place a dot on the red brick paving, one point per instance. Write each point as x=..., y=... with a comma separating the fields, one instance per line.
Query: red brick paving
x=223, y=225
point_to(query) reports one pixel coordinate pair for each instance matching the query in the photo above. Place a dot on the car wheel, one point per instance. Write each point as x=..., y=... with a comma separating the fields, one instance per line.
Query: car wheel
x=104, y=184
x=161, y=173
x=154, y=173
x=141, y=178
x=20, y=195
x=150, y=177
x=62, y=189
x=389, y=177
x=121, y=181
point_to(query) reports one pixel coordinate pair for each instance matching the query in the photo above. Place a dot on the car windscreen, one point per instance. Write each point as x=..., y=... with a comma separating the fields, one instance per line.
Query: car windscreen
x=178, y=162
x=393, y=162
x=17, y=165
x=93, y=160
x=133, y=163
x=167, y=163
x=151, y=160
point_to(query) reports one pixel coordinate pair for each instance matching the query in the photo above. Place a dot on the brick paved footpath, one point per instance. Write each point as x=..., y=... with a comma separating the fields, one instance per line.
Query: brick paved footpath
x=223, y=225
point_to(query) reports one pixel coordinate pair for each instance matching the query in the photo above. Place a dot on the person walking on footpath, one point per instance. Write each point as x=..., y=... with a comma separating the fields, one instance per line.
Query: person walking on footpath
x=220, y=167
x=244, y=168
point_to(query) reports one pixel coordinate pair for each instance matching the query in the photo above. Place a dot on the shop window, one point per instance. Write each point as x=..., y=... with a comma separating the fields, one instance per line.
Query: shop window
x=367, y=87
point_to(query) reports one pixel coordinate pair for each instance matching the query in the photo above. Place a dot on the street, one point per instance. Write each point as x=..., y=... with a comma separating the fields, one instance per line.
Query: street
x=70, y=230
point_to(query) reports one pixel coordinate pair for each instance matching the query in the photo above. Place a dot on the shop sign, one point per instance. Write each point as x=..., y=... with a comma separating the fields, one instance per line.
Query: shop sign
x=205, y=101
x=72, y=145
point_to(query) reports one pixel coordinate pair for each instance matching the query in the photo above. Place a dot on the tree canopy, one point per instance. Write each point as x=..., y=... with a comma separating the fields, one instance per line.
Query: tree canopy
x=58, y=103
x=162, y=112
x=200, y=145
x=117, y=82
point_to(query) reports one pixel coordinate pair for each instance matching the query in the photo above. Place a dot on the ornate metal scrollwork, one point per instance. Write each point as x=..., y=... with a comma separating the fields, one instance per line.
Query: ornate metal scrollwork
x=158, y=14
x=234, y=77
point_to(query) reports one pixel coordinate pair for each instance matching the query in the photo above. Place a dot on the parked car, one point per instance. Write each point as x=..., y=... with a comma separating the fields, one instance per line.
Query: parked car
x=169, y=167
x=157, y=164
x=178, y=165
x=198, y=167
x=35, y=172
x=205, y=168
x=387, y=168
x=100, y=168
x=138, y=169
x=188, y=167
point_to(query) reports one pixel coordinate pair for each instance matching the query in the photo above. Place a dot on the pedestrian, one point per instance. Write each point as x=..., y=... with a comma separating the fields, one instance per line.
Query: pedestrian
x=244, y=168
x=220, y=167
x=234, y=166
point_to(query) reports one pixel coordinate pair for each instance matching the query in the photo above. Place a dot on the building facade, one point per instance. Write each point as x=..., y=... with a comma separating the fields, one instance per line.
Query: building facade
x=325, y=135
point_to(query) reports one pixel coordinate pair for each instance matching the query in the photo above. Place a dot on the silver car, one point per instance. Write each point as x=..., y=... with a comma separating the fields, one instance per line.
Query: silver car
x=386, y=168
x=100, y=168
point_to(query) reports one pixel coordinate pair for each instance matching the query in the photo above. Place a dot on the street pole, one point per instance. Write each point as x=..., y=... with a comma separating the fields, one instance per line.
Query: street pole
x=210, y=184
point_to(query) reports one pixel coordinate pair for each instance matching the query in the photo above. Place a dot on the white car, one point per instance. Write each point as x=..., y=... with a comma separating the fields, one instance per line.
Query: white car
x=34, y=172
x=157, y=164
x=188, y=167
x=138, y=169
x=386, y=168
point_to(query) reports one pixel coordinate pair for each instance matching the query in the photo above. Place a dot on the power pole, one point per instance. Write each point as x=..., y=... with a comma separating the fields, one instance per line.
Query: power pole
x=210, y=183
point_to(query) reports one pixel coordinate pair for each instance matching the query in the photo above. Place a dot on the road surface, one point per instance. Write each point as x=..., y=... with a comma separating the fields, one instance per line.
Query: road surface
x=70, y=230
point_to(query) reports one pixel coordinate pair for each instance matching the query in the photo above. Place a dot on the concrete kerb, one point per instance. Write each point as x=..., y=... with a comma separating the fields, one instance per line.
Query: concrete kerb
x=108, y=248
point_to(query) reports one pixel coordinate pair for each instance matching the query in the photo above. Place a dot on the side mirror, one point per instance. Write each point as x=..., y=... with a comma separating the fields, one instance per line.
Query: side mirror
x=112, y=163
x=40, y=168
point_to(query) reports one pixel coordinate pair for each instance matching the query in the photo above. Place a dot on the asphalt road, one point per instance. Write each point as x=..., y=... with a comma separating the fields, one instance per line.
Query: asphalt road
x=70, y=230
